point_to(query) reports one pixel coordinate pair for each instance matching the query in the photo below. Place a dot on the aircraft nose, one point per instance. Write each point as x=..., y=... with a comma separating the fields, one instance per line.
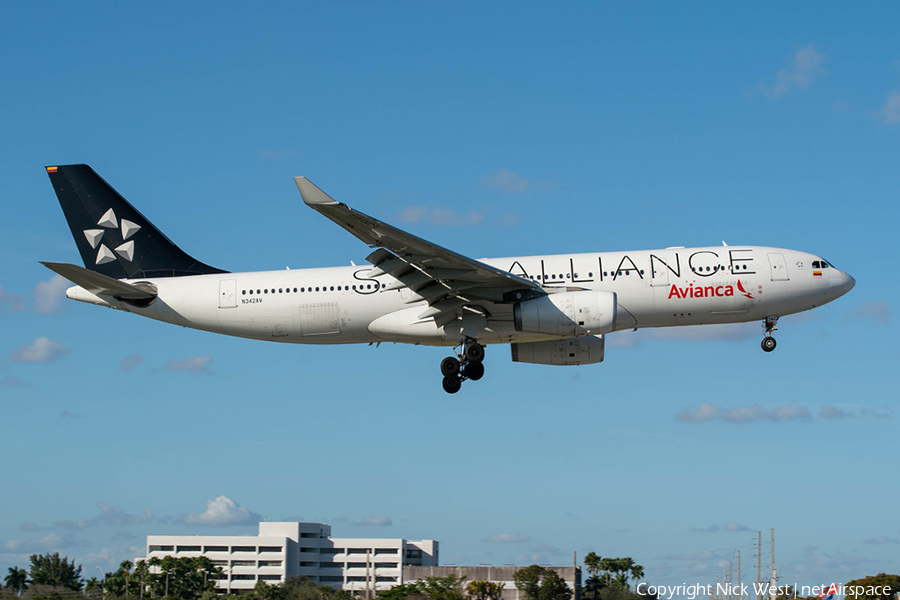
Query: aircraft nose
x=849, y=282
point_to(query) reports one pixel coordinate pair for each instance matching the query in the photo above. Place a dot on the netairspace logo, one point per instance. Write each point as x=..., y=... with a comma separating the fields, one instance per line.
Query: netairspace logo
x=759, y=590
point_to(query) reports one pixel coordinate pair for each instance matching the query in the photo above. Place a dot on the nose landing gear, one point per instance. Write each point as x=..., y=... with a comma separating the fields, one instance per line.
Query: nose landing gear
x=768, y=342
x=466, y=365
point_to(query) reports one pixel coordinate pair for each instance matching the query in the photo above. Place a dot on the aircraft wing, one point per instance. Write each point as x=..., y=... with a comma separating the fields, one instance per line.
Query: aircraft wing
x=446, y=280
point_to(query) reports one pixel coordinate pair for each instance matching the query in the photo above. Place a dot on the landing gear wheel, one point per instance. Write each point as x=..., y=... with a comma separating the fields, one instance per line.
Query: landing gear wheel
x=474, y=352
x=452, y=383
x=449, y=367
x=768, y=344
x=474, y=370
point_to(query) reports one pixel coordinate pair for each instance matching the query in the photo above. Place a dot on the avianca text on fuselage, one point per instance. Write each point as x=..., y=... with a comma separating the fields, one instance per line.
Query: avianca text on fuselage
x=706, y=291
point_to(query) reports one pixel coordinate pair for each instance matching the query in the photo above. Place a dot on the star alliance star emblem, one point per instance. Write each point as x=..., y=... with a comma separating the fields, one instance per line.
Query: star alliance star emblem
x=95, y=238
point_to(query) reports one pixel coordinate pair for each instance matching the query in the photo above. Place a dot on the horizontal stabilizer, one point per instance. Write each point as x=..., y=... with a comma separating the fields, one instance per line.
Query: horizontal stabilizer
x=101, y=285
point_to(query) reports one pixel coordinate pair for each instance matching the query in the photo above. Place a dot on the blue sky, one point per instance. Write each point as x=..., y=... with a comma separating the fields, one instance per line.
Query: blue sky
x=493, y=129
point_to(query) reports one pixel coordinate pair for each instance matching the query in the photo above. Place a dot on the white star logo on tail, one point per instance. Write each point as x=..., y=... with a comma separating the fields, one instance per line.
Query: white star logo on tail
x=95, y=238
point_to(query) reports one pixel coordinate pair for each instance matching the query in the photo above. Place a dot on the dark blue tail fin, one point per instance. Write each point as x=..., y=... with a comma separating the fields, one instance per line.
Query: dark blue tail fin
x=113, y=237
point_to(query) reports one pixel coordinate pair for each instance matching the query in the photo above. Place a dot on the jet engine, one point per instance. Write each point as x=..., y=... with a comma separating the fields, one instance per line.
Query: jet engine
x=569, y=314
x=571, y=351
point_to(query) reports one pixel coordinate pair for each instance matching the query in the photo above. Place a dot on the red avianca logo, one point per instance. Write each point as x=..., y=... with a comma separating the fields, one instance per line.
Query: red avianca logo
x=707, y=291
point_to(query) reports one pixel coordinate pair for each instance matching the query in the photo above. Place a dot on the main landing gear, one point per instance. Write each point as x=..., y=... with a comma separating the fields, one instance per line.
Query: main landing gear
x=467, y=365
x=768, y=342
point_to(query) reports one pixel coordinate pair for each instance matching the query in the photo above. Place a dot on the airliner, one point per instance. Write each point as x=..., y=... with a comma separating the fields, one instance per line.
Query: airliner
x=551, y=310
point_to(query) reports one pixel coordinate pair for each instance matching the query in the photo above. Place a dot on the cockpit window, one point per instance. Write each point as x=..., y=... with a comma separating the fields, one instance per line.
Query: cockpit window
x=820, y=264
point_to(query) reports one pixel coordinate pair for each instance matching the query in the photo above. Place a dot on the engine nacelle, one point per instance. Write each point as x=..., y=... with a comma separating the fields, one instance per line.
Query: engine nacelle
x=567, y=314
x=570, y=351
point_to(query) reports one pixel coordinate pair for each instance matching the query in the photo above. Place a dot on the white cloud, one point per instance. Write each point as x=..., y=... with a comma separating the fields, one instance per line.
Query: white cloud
x=829, y=411
x=710, y=529
x=222, y=512
x=439, y=216
x=11, y=301
x=743, y=414
x=508, y=538
x=12, y=381
x=508, y=181
x=130, y=362
x=735, y=526
x=374, y=521
x=194, y=364
x=891, y=112
x=49, y=295
x=110, y=515
x=40, y=545
x=882, y=540
x=41, y=350
x=806, y=67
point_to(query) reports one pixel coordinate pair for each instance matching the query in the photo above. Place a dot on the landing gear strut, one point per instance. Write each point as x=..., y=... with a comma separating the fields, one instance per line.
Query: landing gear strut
x=466, y=365
x=768, y=342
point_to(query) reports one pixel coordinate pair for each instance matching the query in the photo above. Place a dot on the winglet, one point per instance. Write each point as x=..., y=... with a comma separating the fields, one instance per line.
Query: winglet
x=312, y=195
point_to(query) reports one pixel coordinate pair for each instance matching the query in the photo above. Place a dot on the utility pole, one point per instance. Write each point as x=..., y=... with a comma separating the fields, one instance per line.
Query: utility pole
x=730, y=582
x=758, y=561
x=774, y=577
x=739, y=575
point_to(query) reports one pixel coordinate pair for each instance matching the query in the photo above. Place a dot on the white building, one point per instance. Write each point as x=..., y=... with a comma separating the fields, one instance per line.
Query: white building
x=283, y=550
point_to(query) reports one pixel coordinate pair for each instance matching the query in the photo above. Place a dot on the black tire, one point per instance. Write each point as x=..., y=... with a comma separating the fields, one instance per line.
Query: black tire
x=768, y=344
x=449, y=366
x=451, y=384
x=474, y=370
x=474, y=352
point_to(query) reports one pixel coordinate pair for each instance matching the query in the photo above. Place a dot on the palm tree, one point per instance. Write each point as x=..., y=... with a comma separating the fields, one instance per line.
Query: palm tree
x=126, y=567
x=154, y=561
x=17, y=580
x=485, y=590
x=140, y=569
x=637, y=572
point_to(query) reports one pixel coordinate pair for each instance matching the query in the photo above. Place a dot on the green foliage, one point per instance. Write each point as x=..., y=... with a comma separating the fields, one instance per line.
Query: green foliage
x=870, y=585
x=50, y=569
x=184, y=578
x=484, y=590
x=540, y=583
x=609, y=573
x=17, y=580
x=433, y=588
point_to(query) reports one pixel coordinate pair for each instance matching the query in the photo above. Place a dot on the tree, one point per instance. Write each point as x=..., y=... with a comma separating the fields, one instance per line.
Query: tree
x=433, y=588
x=443, y=588
x=540, y=583
x=875, y=587
x=50, y=569
x=485, y=590
x=17, y=580
x=93, y=588
x=142, y=571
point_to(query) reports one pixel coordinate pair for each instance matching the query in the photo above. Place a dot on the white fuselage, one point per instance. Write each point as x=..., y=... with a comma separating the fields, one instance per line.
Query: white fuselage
x=343, y=305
